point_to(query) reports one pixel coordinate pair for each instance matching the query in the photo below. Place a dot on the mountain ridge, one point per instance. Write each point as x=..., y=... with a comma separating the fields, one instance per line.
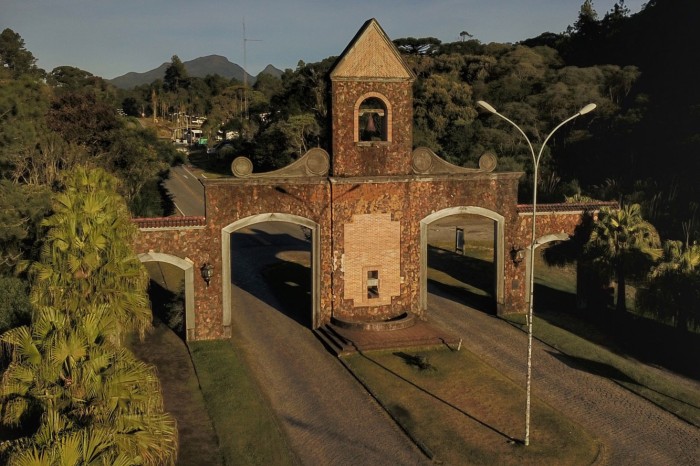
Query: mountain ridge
x=198, y=67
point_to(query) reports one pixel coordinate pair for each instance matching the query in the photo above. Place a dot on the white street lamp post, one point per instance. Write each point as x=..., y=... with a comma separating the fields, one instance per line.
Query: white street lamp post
x=536, y=161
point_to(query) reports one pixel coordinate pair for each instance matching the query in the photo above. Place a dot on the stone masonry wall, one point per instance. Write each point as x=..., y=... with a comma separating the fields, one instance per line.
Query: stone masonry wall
x=548, y=223
x=191, y=243
x=409, y=200
x=229, y=200
x=352, y=158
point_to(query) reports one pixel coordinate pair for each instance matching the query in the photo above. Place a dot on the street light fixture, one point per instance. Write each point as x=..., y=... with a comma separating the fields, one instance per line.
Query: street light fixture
x=207, y=271
x=536, y=161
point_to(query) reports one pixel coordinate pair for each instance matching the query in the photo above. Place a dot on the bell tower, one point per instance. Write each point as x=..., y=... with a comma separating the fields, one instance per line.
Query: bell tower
x=372, y=107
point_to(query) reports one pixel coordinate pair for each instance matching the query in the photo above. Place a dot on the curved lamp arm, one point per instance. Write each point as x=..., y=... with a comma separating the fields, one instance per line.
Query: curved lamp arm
x=536, y=161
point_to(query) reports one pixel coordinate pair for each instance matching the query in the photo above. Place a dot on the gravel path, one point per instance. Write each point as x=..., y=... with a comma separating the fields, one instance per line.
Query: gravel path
x=634, y=431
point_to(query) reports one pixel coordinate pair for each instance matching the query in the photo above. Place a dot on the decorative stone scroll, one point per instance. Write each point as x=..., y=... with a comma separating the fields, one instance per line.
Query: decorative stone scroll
x=426, y=162
x=315, y=162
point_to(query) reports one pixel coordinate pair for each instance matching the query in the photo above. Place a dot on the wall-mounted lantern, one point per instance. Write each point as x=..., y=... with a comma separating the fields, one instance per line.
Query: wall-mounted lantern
x=517, y=254
x=207, y=271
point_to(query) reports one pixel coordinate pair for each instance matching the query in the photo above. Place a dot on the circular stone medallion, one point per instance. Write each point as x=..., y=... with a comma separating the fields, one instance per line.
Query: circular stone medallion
x=487, y=162
x=241, y=167
x=317, y=162
x=422, y=160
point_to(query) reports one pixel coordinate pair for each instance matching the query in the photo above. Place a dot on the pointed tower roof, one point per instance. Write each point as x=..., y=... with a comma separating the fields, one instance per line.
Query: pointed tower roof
x=371, y=56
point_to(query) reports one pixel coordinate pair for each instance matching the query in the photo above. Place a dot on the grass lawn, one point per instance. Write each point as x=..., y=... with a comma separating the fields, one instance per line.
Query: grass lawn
x=461, y=411
x=247, y=429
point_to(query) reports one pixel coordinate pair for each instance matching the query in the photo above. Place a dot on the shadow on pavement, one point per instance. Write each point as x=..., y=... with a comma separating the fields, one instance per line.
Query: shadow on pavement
x=476, y=274
x=594, y=367
x=460, y=295
x=258, y=268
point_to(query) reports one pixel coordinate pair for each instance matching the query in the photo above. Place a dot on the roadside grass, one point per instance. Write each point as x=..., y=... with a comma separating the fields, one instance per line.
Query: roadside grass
x=246, y=427
x=461, y=411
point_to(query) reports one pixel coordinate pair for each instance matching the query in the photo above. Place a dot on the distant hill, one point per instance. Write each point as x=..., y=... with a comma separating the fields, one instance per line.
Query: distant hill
x=199, y=67
x=271, y=70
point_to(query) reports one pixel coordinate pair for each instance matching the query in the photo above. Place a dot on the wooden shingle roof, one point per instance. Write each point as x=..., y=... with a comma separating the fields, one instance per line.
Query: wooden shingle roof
x=371, y=56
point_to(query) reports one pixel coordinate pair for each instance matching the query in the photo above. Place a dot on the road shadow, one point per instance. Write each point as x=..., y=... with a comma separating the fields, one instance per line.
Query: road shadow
x=593, y=367
x=168, y=307
x=477, y=275
x=551, y=299
x=258, y=267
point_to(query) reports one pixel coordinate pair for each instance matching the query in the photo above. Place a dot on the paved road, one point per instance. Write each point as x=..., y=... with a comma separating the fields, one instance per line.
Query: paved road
x=187, y=191
x=326, y=414
x=635, y=431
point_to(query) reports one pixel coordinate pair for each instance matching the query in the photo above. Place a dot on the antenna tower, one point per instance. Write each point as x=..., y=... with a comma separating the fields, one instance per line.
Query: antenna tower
x=245, y=71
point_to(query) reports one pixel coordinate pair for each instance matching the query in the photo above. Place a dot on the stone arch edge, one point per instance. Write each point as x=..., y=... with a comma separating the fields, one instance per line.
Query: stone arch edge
x=270, y=217
x=188, y=268
x=499, y=245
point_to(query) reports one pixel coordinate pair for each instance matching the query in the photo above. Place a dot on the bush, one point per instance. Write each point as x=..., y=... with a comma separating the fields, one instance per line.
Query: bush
x=15, y=309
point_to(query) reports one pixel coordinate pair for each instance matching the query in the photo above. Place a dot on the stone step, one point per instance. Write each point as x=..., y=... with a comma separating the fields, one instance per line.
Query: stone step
x=334, y=342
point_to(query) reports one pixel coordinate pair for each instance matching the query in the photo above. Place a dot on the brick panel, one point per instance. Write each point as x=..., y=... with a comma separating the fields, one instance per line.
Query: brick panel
x=372, y=243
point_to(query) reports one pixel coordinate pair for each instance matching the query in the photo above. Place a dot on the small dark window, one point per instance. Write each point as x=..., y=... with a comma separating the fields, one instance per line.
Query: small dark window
x=372, y=284
x=372, y=120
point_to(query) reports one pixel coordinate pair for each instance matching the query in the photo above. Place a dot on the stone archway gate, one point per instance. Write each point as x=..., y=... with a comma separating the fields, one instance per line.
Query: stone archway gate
x=366, y=206
x=230, y=204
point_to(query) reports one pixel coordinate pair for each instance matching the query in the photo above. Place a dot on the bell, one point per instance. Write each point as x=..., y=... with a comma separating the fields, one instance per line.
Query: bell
x=370, y=128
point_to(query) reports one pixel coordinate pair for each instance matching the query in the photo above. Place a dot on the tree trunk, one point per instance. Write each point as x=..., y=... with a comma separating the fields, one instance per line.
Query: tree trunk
x=621, y=285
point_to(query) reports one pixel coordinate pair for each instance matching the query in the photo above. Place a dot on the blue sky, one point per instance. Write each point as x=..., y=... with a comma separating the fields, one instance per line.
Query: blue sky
x=112, y=37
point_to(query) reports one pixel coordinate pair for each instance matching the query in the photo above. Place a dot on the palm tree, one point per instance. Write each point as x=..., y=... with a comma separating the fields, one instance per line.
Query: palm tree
x=674, y=285
x=72, y=392
x=91, y=404
x=622, y=243
x=87, y=257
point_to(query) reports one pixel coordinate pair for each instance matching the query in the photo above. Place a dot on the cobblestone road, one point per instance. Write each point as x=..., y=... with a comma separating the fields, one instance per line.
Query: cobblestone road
x=327, y=415
x=634, y=431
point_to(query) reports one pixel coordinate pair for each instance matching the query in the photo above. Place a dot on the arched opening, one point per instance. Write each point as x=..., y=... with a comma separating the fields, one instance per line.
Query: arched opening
x=372, y=119
x=462, y=252
x=171, y=277
x=556, y=274
x=275, y=258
